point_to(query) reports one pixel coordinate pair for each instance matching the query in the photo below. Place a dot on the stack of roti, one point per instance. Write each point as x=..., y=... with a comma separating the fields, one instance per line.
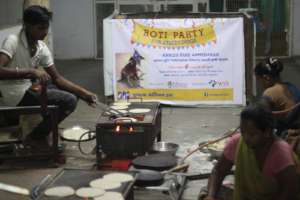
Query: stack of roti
x=139, y=110
x=122, y=103
x=111, y=181
x=119, y=107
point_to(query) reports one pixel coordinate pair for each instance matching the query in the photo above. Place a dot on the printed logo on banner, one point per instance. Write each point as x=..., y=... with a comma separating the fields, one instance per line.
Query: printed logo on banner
x=214, y=83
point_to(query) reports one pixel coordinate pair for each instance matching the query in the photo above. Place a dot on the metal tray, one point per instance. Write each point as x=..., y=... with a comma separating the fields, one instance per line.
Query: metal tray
x=77, y=178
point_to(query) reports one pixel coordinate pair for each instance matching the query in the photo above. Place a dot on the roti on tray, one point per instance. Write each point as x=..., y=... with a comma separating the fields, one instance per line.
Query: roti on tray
x=118, y=177
x=105, y=184
x=59, y=191
x=119, y=107
x=89, y=192
x=121, y=103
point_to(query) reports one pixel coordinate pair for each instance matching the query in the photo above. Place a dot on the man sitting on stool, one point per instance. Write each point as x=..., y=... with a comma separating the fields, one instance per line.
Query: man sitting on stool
x=25, y=56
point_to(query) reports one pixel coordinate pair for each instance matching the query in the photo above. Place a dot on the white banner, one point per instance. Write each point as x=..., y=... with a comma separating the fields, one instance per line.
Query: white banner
x=179, y=61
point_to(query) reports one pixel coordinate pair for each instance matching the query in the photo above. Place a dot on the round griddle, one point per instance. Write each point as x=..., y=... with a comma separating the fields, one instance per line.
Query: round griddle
x=159, y=161
x=148, y=178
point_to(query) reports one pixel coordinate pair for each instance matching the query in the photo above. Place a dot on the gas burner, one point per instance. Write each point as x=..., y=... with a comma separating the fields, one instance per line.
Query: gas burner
x=130, y=135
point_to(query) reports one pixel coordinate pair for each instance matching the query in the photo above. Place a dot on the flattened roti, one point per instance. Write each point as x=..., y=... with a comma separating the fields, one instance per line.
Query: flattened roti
x=59, y=191
x=89, y=192
x=105, y=184
x=139, y=110
x=118, y=177
x=110, y=196
x=119, y=107
x=75, y=133
x=121, y=103
x=123, y=111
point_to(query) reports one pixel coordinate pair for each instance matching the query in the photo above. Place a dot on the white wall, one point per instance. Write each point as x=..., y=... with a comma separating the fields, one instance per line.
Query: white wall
x=72, y=27
x=7, y=31
x=296, y=28
x=10, y=12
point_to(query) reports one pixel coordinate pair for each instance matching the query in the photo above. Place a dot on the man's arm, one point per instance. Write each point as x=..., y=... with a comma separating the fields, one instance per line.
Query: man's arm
x=288, y=182
x=19, y=73
x=219, y=172
x=69, y=86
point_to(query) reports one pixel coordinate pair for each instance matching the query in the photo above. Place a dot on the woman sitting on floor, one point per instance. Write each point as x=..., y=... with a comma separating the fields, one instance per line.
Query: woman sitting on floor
x=281, y=97
x=266, y=166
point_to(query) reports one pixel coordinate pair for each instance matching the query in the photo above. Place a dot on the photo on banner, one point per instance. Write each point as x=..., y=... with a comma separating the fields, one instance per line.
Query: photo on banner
x=180, y=61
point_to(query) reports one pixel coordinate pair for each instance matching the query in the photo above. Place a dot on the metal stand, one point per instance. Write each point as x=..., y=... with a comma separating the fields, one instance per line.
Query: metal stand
x=175, y=183
x=19, y=150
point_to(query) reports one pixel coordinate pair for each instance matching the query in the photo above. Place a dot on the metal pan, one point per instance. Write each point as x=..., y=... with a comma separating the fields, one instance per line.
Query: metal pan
x=158, y=162
x=154, y=178
x=147, y=178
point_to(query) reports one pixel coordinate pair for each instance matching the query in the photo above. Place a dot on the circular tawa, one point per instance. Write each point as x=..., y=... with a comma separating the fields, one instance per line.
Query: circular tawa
x=118, y=177
x=110, y=196
x=89, y=192
x=139, y=110
x=59, y=191
x=148, y=178
x=105, y=184
x=158, y=161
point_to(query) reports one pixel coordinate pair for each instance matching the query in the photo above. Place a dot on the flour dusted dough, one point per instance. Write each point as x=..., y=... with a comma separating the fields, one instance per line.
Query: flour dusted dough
x=121, y=103
x=59, y=191
x=123, y=111
x=119, y=107
x=110, y=196
x=105, y=184
x=218, y=146
x=119, y=177
x=139, y=110
x=89, y=192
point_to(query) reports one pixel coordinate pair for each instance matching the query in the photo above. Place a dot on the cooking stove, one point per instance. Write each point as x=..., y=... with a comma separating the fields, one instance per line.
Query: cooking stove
x=127, y=137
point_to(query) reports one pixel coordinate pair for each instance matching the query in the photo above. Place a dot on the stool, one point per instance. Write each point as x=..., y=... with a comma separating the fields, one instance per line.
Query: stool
x=19, y=150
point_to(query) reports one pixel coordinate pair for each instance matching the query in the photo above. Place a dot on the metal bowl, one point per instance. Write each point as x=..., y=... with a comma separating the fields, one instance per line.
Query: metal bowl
x=165, y=147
